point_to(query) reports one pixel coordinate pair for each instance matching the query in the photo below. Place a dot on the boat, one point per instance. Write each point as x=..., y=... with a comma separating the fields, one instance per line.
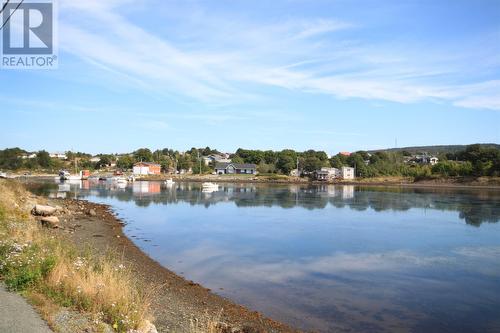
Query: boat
x=169, y=181
x=64, y=175
x=3, y=175
x=116, y=179
x=131, y=178
x=121, y=180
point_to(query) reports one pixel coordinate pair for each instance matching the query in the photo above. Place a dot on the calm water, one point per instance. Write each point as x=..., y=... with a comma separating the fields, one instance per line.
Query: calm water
x=325, y=258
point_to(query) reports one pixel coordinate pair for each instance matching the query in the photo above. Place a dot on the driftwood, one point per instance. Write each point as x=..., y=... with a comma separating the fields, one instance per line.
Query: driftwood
x=50, y=221
x=41, y=210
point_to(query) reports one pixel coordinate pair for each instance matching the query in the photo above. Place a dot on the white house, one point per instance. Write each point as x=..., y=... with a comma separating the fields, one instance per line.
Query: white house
x=334, y=173
x=217, y=158
x=61, y=156
x=347, y=173
x=433, y=160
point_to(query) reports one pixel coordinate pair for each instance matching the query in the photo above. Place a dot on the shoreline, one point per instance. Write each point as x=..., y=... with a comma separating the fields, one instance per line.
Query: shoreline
x=456, y=183
x=177, y=302
x=491, y=183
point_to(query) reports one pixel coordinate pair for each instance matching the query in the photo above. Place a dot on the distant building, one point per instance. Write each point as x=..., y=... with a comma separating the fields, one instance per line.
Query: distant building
x=216, y=158
x=146, y=168
x=235, y=168
x=322, y=175
x=345, y=153
x=423, y=159
x=61, y=156
x=327, y=174
x=95, y=159
x=347, y=173
x=29, y=156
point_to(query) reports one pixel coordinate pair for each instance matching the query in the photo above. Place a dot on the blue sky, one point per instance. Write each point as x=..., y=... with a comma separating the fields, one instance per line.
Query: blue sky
x=329, y=75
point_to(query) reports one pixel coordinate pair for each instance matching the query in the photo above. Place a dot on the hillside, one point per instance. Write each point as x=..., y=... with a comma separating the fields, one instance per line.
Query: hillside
x=435, y=149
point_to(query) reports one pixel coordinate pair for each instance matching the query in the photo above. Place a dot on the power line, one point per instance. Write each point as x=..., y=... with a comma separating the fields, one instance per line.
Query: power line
x=8, y=18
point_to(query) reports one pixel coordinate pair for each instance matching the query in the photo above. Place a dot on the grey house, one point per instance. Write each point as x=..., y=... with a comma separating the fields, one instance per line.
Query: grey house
x=235, y=168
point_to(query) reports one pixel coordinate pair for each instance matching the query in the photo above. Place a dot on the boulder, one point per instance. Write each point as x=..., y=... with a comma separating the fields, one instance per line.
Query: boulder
x=92, y=212
x=41, y=210
x=50, y=221
x=146, y=327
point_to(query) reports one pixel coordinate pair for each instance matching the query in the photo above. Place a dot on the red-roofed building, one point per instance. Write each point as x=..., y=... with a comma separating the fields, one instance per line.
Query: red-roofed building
x=146, y=168
x=345, y=153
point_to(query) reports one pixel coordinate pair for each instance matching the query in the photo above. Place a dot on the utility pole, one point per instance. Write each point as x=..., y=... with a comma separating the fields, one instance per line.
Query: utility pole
x=199, y=160
x=298, y=174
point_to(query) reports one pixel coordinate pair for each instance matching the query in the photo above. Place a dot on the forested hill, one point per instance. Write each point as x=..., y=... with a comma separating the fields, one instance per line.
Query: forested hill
x=442, y=149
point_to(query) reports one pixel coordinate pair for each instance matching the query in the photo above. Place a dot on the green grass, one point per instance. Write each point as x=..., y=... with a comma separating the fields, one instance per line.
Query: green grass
x=35, y=261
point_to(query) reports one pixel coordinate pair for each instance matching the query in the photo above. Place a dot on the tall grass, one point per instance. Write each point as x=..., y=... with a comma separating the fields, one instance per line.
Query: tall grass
x=33, y=259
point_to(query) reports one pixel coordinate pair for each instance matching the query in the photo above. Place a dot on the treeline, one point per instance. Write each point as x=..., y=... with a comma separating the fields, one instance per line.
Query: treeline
x=474, y=160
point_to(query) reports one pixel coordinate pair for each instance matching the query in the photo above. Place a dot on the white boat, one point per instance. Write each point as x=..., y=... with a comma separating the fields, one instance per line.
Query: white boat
x=131, y=178
x=121, y=180
x=3, y=175
x=117, y=179
x=169, y=181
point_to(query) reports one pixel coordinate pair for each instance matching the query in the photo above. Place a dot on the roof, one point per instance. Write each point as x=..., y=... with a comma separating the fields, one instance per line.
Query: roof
x=224, y=165
x=321, y=172
x=147, y=163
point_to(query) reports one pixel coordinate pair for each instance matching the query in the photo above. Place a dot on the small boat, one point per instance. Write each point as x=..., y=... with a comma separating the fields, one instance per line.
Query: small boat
x=116, y=179
x=3, y=175
x=131, y=178
x=121, y=180
x=169, y=181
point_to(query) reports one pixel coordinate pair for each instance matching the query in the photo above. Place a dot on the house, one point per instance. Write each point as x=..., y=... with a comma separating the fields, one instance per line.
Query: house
x=327, y=174
x=322, y=175
x=222, y=168
x=146, y=168
x=29, y=156
x=345, y=153
x=347, y=173
x=216, y=158
x=61, y=156
x=95, y=159
x=424, y=159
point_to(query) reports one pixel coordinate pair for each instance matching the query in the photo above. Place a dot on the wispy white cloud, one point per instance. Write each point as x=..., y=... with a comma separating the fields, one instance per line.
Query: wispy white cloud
x=229, y=61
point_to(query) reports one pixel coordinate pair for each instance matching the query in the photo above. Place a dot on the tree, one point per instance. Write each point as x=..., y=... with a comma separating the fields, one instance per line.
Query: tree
x=125, y=162
x=11, y=158
x=104, y=161
x=287, y=161
x=312, y=163
x=143, y=155
x=43, y=159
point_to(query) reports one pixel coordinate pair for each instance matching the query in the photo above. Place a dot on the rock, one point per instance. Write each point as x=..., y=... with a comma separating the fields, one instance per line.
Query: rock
x=147, y=327
x=42, y=210
x=50, y=221
x=92, y=212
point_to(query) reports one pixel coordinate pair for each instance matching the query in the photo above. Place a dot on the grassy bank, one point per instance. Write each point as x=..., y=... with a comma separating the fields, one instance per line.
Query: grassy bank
x=48, y=270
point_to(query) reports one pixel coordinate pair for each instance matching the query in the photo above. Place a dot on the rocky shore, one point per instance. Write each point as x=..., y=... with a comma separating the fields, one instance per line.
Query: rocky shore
x=178, y=305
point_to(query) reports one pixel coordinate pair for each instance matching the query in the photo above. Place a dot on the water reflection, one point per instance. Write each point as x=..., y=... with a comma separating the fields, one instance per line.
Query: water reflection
x=326, y=258
x=474, y=206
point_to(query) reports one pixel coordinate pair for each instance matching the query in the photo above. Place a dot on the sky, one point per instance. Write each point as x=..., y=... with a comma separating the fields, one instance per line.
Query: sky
x=331, y=75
